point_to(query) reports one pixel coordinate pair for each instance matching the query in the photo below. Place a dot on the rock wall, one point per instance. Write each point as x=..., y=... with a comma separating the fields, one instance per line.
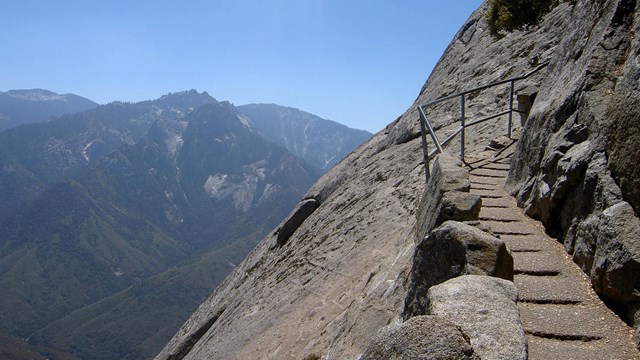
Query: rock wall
x=577, y=165
x=446, y=196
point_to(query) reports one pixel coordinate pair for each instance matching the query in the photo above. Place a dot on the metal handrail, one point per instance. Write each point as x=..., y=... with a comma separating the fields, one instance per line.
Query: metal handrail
x=425, y=124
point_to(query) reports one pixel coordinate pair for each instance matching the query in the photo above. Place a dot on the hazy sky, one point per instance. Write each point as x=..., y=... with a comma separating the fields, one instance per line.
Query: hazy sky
x=357, y=62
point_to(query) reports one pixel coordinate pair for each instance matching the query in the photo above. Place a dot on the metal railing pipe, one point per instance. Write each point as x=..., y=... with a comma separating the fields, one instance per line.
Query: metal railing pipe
x=490, y=117
x=425, y=150
x=427, y=123
x=510, y=120
x=479, y=88
x=452, y=136
x=462, y=138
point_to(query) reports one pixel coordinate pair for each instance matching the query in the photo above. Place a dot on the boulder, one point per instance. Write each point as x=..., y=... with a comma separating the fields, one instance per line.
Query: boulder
x=459, y=206
x=525, y=99
x=451, y=250
x=299, y=214
x=485, y=309
x=499, y=143
x=446, y=196
x=421, y=337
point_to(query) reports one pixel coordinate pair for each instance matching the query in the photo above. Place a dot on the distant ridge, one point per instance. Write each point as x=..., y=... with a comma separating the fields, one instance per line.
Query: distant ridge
x=119, y=220
x=18, y=107
x=319, y=142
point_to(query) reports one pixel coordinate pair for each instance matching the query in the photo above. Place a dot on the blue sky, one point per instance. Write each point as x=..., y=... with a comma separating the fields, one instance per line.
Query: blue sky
x=357, y=62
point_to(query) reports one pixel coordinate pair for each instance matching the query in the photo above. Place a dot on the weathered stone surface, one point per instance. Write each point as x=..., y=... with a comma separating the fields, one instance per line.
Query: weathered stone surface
x=500, y=142
x=578, y=156
x=624, y=152
x=451, y=250
x=485, y=308
x=447, y=176
x=459, y=206
x=298, y=215
x=421, y=337
x=634, y=313
x=484, y=227
x=616, y=264
x=337, y=281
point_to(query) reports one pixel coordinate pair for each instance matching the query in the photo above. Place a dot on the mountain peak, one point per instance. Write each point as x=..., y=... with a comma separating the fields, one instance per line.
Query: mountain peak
x=322, y=143
x=188, y=95
x=35, y=95
x=18, y=107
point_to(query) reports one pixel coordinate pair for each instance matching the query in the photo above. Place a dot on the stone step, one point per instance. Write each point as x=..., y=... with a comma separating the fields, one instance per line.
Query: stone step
x=561, y=315
x=540, y=348
x=561, y=322
x=541, y=263
x=548, y=289
x=496, y=174
x=507, y=228
x=475, y=179
x=475, y=186
x=523, y=243
x=496, y=202
x=497, y=166
x=492, y=194
x=498, y=214
x=504, y=160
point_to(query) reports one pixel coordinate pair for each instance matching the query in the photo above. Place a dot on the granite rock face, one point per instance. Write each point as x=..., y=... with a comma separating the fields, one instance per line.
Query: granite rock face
x=485, y=309
x=446, y=196
x=421, y=337
x=298, y=215
x=576, y=165
x=452, y=250
x=610, y=252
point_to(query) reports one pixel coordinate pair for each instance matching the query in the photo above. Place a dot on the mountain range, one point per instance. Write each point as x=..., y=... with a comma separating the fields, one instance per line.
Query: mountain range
x=18, y=107
x=318, y=142
x=120, y=219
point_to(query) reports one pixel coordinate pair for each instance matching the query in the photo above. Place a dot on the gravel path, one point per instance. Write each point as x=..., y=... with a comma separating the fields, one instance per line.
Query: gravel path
x=560, y=312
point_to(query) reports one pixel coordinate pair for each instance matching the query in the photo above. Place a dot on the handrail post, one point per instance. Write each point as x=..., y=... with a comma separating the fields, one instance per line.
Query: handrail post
x=462, y=126
x=427, y=123
x=510, y=109
x=425, y=150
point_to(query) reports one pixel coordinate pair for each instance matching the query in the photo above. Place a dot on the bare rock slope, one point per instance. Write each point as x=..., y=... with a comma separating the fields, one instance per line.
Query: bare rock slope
x=576, y=166
x=330, y=284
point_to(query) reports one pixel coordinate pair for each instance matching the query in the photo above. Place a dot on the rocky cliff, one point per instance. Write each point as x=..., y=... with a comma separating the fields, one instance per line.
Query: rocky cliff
x=576, y=167
x=342, y=272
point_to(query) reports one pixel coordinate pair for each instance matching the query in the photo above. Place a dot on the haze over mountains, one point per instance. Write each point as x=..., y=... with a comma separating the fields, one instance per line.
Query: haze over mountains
x=117, y=221
x=18, y=107
x=318, y=142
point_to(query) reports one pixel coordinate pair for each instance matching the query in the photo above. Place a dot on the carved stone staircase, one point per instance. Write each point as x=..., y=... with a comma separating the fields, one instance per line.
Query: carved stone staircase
x=560, y=312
